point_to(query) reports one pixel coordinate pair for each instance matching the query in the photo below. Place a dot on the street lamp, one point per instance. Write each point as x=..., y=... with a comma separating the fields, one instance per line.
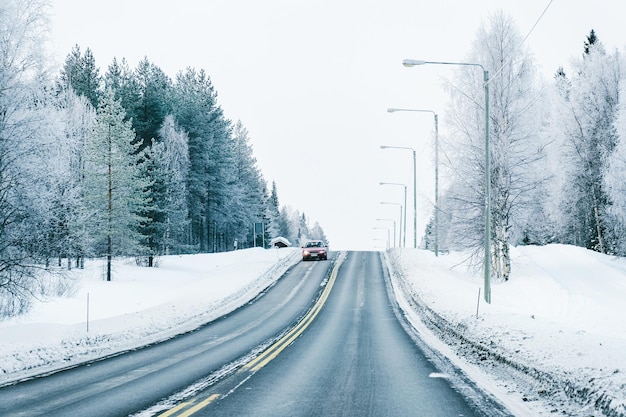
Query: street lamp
x=392, y=110
x=487, y=284
x=382, y=240
x=401, y=221
x=395, y=204
x=414, y=189
x=394, y=228
x=388, y=234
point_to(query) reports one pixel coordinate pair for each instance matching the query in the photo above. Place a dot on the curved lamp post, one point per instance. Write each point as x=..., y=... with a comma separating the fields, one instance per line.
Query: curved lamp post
x=388, y=233
x=487, y=263
x=393, y=110
x=394, y=204
x=402, y=221
x=414, y=189
x=382, y=240
x=394, y=228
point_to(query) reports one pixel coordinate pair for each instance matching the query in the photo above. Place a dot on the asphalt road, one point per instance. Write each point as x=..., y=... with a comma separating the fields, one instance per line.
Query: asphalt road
x=325, y=340
x=354, y=359
x=130, y=382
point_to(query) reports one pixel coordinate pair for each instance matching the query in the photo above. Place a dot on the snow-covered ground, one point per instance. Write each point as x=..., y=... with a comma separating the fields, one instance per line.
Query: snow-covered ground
x=553, y=337
x=139, y=306
x=552, y=342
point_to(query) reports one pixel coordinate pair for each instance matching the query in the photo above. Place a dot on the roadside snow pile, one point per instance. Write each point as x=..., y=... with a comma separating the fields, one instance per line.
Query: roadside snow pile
x=138, y=307
x=554, y=335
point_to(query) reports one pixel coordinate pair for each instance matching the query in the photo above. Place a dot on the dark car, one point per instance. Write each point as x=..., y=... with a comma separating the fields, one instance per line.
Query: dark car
x=314, y=249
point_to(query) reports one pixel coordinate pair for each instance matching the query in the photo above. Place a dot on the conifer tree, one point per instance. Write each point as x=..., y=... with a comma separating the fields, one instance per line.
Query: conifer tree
x=81, y=74
x=114, y=185
x=154, y=101
x=273, y=213
x=250, y=186
x=122, y=81
x=197, y=112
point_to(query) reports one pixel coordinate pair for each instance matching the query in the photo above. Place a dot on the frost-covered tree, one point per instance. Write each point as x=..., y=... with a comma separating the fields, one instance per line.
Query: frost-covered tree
x=122, y=81
x=285, y=225
x=81, y=74
x=515, y=144
x=250, y=187
x=153, y=102
x=23, y=24
x=171, y=156
x=615, y=180
x=273, y=212
x=585, y=116
x=317, y=232
x=210, y=164
x=114, y=187
x=54, y=173
x=303, y=229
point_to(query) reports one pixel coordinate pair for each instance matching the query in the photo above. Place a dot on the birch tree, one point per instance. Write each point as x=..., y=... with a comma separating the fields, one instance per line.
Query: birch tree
x=515, y=143
x=171, y=155
x=22, y=33
x=615, y=179
x=586, y=118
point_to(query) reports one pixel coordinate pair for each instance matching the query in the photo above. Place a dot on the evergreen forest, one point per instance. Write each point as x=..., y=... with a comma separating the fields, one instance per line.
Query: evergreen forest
x=120, y=162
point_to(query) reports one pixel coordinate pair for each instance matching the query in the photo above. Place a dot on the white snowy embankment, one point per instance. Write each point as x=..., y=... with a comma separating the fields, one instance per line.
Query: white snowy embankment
x=554, y=335
x=138, y=307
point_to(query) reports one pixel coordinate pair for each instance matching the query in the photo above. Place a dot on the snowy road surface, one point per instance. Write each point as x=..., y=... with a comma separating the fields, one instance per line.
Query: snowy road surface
x=354, y=359
x=131, y=382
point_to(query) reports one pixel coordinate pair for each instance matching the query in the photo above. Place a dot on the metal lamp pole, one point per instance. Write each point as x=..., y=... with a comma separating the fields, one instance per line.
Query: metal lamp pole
x=402, y=222
x=392, y=110
x=394, y=204
x=414, y=189
x=487, y=264
x=388, y=233
x=394, y=228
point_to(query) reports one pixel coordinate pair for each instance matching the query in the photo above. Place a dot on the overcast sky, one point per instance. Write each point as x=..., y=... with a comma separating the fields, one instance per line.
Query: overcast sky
x=311, y=81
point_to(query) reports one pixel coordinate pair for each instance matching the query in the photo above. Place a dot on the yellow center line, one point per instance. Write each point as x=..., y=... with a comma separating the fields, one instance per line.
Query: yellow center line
x=200, y=405
x=175, y=409
x=271, y=352
x=268, y=354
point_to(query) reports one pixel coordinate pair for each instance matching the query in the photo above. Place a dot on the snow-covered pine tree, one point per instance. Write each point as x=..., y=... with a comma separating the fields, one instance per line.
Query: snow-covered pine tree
x=114, y=188
x=273, y=212
x=81, y=74
x=196, y=111
x=153, y=104
x=250, y=187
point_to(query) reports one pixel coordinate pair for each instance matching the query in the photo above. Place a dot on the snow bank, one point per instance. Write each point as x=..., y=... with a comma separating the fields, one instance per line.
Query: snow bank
x=138, y=307
x=554, y=336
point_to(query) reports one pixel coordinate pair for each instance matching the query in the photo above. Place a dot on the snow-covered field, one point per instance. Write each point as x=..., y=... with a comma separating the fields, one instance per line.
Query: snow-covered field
x=553, y=340
x=139, y=306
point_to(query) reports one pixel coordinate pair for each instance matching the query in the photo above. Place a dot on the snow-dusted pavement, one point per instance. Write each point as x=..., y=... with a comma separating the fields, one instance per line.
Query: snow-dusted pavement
x=552, y=342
